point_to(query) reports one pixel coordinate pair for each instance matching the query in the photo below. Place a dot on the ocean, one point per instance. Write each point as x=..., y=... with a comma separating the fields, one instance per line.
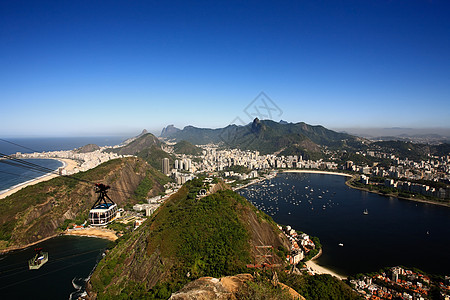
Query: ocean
x=55, y=144
x=11, y=176
x=395, y=231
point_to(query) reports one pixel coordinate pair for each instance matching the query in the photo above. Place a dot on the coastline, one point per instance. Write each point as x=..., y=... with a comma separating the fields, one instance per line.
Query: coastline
x=316, y=172
x=315, y=268
x=250, y=183
x=348, y=183
x=14, y=248
x=68, y=164
x=102, y=233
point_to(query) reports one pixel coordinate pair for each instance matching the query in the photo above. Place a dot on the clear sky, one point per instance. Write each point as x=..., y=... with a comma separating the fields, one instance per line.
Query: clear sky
x=115, y=67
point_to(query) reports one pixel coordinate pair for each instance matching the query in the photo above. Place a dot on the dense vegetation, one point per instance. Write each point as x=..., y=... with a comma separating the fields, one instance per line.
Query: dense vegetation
x=184, y=147
x=193, y=237
x=262, y=288
x=154, y=155
x=319, y=287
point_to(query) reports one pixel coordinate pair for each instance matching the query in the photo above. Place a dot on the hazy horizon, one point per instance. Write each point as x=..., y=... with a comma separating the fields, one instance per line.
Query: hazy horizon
x=359, y=131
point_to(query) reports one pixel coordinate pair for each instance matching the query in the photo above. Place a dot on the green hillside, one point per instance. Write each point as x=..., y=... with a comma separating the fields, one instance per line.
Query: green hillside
x=144, y=141
x=185, y=239
x=41, y=210
x=184, y=147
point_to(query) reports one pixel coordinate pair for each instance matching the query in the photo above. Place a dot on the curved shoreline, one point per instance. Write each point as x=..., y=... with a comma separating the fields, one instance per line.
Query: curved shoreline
x=347, y=183
x=15, y=248
x=364, y=189
x=316, y=172
x=318, y=269
x=92, y=232
x=101, y=233
x=68, y=165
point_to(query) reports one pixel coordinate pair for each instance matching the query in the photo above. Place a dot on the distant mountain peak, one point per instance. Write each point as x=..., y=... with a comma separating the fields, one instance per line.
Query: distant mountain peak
x=257, y=126
x=169, y=130
x=87, y=148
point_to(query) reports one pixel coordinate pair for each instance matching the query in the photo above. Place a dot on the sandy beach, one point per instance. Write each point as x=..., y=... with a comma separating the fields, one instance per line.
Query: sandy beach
x=69, y=165
x=317, y=269
x=93, y=232
x=317, y=172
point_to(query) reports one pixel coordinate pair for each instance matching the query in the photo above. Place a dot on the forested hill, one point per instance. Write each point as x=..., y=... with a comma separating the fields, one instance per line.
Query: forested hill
x=43, y=210
x=211, y=236
x=188, y=240
x=148, y=147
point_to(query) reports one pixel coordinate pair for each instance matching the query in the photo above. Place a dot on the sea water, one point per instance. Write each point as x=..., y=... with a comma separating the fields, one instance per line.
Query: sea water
x=11, y=176
x=70, y=263
x=394, y=232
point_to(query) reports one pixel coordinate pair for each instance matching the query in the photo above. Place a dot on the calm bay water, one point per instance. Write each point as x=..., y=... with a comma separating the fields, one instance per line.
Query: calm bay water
x=395, y=232
x=71, y=261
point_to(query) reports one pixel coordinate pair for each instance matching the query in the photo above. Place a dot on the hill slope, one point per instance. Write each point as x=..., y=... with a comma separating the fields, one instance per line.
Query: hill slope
x=184, y=147
x=185, y=239
x=142, y=142
x=148, y=147
x=37, y=211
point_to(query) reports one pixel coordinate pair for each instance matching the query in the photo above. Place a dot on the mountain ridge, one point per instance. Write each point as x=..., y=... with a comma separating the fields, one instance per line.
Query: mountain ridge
x=268, y=136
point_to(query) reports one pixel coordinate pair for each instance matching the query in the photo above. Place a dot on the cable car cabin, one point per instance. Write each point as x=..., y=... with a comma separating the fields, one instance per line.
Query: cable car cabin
x=102, y=214
x=104, y=209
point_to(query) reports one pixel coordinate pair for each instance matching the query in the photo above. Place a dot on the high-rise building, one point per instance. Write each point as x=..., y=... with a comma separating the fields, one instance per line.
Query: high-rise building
x=165, y=166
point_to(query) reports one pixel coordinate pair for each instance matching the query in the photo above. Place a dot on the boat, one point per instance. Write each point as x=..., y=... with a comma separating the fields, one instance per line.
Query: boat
x=39, y=259
x=366, y=212
x=341, y=245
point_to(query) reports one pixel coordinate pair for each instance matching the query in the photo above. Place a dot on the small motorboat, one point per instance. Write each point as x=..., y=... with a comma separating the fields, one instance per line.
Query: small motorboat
x=366, y=212
x=39, y=259
x=341, y=245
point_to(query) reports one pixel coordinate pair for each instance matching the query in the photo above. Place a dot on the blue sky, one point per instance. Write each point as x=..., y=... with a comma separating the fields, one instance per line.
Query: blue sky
x=115, y=67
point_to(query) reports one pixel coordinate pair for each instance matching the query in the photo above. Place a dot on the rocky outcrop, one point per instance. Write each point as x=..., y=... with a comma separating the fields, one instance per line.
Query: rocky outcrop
x=87, y=148
x=228, y=288
x=212, y=288
x=169, y=130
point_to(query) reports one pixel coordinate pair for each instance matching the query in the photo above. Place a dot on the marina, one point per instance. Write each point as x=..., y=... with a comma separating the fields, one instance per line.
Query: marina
x=395, y=232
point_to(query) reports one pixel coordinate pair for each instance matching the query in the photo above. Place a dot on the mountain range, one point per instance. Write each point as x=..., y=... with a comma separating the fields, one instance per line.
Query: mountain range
x=266, y=136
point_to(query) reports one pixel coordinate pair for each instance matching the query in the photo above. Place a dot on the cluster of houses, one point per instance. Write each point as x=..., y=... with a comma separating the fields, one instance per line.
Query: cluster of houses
x=410, y=187
x=399, y=283
x=301, y=245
